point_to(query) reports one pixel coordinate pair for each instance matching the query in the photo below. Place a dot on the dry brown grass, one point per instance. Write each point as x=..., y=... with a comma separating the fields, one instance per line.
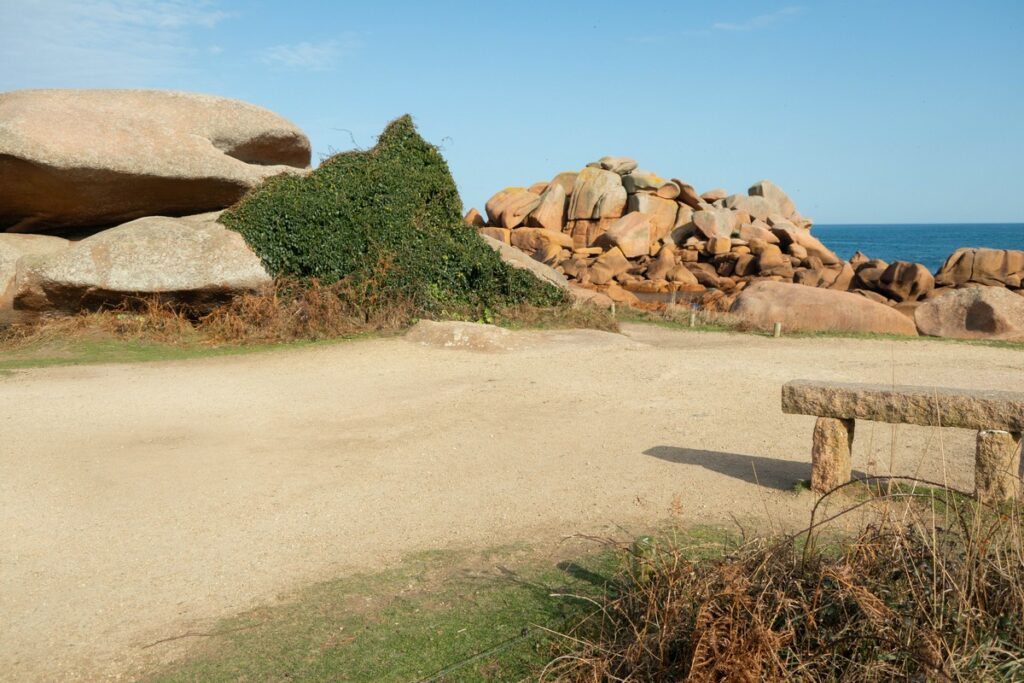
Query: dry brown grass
x=290, y=310
x=929, y=592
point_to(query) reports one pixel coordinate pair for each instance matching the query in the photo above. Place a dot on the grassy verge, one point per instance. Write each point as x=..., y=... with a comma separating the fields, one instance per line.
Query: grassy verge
x=710, y=321
x=441, y=616
x=114, y=350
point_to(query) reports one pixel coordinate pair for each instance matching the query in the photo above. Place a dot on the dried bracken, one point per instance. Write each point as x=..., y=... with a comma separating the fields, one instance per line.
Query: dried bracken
x=931, y=591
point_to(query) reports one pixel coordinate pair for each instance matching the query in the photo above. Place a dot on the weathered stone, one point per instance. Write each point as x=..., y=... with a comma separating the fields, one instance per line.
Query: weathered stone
x=719, y=245
x=585, y=233
x=746, y=264
x=712, y=196
x=814, y=309
x=621, y=296
x=755, y=207
x=608, y=265
x=510, y=207
x=682, y=275
x=453, y=334
x=684, y=218
x=792, y=235
x=663, y=263
x=532, y=239
x=993, y=267
x=12, y=248
x=620, y=165
x=868, y=273
x=474, y=219
x=905, y=281
x=715, y=222
x=771, y=261
x=973, y=313
x=519, y=259
x=538, y=187
x=838, y=276
x=705, y=274
x=100, y=157
x=597, y=194
x=917, y=405
x=550, y=212
x=669, y=190
x=775, y=196
x=832, y=445
x=590, y=297
x=662, y=212
x=997, y=466
x=503, y=235
x=566, y=179
x=757, y=231
x=637, y=181
x=192, y=259
x=688, y=195
x=631, y=234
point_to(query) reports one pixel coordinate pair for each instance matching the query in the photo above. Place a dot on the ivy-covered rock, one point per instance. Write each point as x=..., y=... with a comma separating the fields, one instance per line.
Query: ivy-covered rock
x=389, y=220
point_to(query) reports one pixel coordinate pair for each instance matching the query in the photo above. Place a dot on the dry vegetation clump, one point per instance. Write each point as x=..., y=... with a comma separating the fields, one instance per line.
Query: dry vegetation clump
x=290, y=310
x=925, y=592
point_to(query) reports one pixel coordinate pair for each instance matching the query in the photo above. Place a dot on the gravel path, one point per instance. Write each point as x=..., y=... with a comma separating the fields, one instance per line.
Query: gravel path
x=138, y=502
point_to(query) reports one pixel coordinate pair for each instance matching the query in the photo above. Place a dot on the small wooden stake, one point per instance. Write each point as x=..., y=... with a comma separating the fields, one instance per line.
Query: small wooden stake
x=693, y=319
x=777, y=332
x=613, y=309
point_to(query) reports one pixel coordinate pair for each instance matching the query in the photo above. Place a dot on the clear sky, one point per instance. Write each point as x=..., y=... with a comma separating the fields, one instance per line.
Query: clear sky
x=863, y=110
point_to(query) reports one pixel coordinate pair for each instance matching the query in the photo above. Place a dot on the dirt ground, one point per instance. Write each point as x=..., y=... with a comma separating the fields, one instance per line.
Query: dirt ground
x=138, y=502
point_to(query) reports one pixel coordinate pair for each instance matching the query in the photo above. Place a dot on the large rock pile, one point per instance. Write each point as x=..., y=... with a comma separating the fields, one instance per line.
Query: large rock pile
x=121, y=172
x=644, y=239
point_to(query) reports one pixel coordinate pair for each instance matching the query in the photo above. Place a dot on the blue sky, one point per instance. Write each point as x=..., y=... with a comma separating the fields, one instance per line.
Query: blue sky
x=863, y=110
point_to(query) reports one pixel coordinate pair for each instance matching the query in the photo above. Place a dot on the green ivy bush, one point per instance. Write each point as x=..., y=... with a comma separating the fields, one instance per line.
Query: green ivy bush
x=386, y=220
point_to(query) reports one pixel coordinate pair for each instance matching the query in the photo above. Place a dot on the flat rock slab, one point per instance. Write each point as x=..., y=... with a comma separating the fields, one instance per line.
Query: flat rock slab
x=927, y=406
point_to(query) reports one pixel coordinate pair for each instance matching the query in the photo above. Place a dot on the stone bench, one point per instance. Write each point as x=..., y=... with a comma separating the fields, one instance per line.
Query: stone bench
x=997, y=416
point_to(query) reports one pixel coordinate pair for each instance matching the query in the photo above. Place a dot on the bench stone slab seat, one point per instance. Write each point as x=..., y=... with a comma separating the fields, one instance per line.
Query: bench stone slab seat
x=997, y=416
x=926, y=406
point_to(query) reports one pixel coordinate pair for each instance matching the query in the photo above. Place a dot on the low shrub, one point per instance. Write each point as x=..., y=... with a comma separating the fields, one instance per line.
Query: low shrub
x=386, y=221
x=930, y=592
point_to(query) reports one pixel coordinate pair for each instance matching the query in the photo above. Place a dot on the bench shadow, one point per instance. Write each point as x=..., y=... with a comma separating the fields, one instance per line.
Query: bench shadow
x=770, y=472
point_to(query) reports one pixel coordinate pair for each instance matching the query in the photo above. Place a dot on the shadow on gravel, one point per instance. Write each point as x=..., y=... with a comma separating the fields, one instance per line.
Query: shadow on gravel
x=770, y=472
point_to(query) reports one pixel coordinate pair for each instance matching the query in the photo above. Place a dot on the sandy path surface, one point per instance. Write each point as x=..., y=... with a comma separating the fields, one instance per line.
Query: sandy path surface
x=139, y=501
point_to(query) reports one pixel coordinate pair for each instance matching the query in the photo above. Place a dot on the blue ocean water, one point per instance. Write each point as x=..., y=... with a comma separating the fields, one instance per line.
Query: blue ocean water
x=929, y=244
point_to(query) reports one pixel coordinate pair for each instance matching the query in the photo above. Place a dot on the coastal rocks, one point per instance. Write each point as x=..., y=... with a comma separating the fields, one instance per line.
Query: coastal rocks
x=631, y=234
x=519, y=259
x=811, y=309
x=12, y=248
x=510, y=207
x=904, y=282
x=993, y=267
x=660, y=239
x=192, y=260
x=451, y=334
x=93, y=158
x=973, y=313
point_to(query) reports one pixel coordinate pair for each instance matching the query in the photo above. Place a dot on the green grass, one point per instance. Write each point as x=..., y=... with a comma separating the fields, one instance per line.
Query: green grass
x=93, y=351
x=441, y=616
x=706, y=324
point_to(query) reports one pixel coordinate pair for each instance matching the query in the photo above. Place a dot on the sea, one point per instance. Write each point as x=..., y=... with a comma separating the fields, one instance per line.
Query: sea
x=926, y=243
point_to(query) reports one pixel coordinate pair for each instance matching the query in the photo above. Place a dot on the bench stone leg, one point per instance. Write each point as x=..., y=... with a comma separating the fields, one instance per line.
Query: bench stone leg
x=996, y=465
x=830, y=453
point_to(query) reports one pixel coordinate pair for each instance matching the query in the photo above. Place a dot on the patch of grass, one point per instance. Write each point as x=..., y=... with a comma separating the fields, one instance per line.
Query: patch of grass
x=677, y=318
x=441, y=616
x=112, y=350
